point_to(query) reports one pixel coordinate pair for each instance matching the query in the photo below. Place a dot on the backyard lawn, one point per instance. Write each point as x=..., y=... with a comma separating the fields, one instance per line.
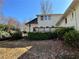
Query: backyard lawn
x=22, y=49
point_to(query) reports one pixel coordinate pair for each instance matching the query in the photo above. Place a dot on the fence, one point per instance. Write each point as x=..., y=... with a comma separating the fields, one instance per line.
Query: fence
x=45, y=29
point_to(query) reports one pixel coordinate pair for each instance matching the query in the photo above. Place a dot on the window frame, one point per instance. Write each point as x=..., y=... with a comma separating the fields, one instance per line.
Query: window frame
x=42, y=17
x=65, y=20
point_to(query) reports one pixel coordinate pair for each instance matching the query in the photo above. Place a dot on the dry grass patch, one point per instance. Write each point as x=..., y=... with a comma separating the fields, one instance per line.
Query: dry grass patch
x=13, y=53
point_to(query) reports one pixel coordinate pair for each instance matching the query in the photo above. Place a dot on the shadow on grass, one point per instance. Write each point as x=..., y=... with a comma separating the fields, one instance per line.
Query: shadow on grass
x=14, y=43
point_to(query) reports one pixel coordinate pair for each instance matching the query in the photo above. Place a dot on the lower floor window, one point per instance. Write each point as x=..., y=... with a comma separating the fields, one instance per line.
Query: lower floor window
x=34, y=29
x=66, y=20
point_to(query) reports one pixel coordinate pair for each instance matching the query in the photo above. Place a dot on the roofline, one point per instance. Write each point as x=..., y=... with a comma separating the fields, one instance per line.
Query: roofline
x=69, y=9
x=49, y=14
x=30, y=21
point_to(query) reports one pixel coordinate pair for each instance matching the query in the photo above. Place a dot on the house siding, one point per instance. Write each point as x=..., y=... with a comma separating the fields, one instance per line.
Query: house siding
x=71, y=20
x=50, y=22
x=30, y=28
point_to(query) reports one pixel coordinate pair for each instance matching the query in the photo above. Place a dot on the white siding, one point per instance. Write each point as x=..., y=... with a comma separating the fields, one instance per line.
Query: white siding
x=71, y=21
x=30, y=29
x=77, y=17
x=50, y=22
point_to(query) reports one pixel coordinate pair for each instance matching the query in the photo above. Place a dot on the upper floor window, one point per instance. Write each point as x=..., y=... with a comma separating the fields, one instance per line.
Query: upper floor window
x=41, y=17
x=65, y=20
x=46, y=17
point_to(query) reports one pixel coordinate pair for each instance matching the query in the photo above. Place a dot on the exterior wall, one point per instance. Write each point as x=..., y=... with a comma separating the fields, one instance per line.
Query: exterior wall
x=72, y=20
x=50, y=22
x=77, y=17
x=26, y=28
x=30, y=28
x=62, y=24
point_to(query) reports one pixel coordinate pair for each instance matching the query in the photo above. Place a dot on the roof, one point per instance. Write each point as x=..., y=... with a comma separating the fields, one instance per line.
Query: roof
x=49, y=14
x=69, y=9
x=34, y=21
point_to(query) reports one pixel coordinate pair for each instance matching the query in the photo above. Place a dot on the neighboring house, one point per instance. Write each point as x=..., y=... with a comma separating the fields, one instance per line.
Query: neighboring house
x=71, y=16
x=43, y=23
x=30, y=26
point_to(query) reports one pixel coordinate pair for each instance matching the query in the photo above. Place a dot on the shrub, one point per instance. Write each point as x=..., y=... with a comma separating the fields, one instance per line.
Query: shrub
x=59, y=33
x=39, y=36
x=71, y=38
x=4, y=35
x=54, y=35
x=16, y=35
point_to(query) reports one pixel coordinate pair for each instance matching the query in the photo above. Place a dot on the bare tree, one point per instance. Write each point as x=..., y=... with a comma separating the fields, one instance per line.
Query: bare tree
x=46, y=6
x=1, y=9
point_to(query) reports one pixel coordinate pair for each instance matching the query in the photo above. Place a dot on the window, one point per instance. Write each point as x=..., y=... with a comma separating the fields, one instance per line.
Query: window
x=34, y=29
x=72, y=14
x=41, y=17
x=65, y=20
x=47, y=26
x=46, y=17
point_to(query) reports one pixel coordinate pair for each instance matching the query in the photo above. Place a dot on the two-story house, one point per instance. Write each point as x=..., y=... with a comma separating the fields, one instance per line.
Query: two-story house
x=43, y=23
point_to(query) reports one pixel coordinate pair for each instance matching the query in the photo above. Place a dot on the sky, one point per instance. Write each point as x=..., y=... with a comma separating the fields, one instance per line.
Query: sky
x=25, y=10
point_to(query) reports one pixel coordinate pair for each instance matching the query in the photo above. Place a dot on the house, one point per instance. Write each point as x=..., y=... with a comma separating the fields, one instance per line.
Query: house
x=71, y=16
x=30, y=26
x=43, y=23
